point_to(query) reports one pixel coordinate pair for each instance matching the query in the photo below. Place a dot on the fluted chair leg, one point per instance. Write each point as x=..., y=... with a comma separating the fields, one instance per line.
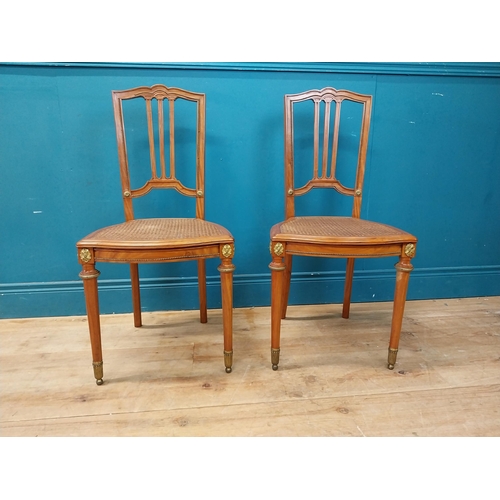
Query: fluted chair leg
x=89, y=276
x=403, y=269
x=277, y=277
x=226, y=270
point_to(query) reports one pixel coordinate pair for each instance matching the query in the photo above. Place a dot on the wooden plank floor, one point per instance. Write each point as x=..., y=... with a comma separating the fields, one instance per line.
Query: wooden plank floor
x=167, y=378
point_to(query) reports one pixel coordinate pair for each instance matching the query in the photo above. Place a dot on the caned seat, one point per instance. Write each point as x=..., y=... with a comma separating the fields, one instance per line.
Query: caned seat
x=158, y=233
x=330, y=229
x=331, y=236
x=156, y=240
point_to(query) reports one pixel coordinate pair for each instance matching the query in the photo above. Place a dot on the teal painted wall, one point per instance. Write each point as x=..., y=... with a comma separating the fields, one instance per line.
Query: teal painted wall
x=433, y=169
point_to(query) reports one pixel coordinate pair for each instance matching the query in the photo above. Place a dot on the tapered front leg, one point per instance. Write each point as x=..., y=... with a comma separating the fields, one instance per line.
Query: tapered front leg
x=277, y=270
x=226, y=270
x=89, y=276
x=403, y=269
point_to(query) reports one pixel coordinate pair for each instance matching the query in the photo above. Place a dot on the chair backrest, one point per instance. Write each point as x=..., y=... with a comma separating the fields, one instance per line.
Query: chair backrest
x=166, y=177
x=323, y=170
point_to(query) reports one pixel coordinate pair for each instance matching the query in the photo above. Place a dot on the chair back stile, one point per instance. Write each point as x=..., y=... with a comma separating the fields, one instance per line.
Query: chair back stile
x=166, y=180
x=321, y=178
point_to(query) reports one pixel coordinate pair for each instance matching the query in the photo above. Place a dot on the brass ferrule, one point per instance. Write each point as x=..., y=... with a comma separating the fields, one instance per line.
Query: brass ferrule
x=228, y=359
x=391, y=358
x=98, y=370
x=275, y=356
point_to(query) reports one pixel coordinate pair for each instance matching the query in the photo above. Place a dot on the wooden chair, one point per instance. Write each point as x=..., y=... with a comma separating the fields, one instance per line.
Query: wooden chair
x=162, y=239
x=330, y=236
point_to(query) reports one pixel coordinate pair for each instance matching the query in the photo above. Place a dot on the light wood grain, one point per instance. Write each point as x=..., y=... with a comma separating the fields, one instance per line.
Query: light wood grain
x=164, y=379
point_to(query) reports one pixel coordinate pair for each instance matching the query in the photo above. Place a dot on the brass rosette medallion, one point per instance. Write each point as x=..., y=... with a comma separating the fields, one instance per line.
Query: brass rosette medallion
x=227, y=251
x=278, y=249
x=410, y=250
x=85, y=255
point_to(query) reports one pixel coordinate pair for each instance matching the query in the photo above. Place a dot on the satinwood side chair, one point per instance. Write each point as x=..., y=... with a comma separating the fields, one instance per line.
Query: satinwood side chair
x=332, y=236
x=158, y=240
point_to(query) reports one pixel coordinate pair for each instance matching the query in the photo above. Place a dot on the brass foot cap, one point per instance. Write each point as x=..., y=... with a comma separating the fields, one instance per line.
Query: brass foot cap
x=99, y=381
x=275, y=367
x=391, y=367
x=228, y=369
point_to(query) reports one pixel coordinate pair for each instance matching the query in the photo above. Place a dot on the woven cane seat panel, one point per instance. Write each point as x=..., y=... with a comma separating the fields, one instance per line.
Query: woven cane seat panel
x=158, y=233
x=341, y=228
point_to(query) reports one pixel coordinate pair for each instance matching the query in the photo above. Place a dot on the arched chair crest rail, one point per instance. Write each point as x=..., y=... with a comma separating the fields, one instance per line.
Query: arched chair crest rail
x=332, y=236
x=158, y=239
